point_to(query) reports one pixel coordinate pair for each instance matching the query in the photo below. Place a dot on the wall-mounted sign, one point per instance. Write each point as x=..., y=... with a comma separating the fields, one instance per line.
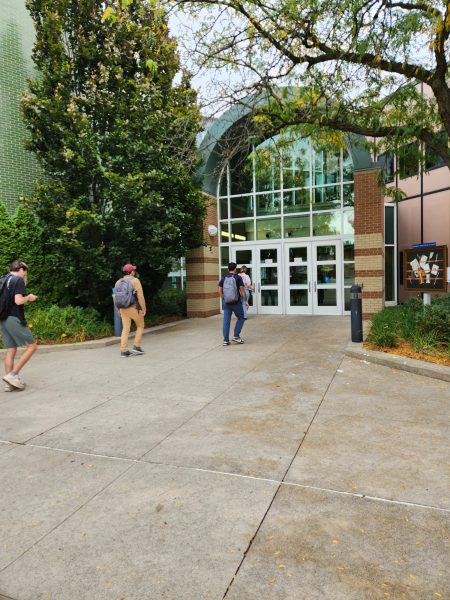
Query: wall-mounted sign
x=426, y=269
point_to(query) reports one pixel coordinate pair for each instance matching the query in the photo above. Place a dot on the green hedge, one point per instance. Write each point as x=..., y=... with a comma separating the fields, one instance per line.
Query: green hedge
x=170, y=302
x=56, y=325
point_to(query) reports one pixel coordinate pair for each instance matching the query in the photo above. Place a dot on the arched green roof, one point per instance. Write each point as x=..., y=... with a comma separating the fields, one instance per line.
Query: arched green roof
x=211, y=146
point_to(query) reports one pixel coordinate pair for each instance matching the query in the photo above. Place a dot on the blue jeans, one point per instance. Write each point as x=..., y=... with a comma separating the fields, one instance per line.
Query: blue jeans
x=244, y=305
x=228, y=310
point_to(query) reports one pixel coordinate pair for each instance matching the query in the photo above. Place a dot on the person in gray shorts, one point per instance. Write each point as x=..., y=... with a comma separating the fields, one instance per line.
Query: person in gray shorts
x=15, y=331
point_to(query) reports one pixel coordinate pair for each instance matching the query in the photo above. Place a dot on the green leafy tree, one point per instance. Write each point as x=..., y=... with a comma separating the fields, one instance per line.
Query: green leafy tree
x=357, y=66
x=115, y=136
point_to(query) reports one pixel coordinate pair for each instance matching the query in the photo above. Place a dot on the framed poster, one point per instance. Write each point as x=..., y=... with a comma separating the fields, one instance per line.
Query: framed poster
x=425, y=269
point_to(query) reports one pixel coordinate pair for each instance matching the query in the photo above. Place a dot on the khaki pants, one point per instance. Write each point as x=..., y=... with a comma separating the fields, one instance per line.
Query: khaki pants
x=131, y=314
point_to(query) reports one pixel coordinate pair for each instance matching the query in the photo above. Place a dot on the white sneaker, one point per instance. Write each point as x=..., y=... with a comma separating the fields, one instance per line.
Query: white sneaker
x=14, y=381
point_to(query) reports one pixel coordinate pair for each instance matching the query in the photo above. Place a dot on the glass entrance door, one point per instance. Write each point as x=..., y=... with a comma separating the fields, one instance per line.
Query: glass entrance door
x=268, y=283
x=313, y=278
x=298, y=278
x=327, y=279
x=246, y=256
x=264, y=268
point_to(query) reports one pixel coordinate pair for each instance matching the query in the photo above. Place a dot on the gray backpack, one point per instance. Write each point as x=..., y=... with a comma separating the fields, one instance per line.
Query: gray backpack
x=230, y=290
x=124, y=294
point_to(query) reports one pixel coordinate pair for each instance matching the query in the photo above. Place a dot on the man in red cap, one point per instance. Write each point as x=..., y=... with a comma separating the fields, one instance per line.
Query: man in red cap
x=135, y=312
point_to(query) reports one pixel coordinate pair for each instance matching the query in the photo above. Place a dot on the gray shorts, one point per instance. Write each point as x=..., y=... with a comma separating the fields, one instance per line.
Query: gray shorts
x=14, y=333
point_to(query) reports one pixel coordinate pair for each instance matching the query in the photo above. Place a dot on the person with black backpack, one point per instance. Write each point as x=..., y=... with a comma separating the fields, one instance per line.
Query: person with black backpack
x=15, y=332
x=231, y=290
x=130, y=302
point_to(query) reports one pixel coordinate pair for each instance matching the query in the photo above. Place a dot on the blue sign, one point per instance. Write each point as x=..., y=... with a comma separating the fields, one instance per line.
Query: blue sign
x=427, y=245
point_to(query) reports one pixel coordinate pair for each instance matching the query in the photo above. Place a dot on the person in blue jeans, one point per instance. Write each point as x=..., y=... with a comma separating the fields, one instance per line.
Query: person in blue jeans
x=230, y=308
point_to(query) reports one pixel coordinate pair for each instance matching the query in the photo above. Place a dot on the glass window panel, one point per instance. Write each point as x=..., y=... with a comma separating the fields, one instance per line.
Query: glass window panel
x=269, y=297
x=326, y=223
x=408, y=160
x=301, y=254
x=348, y=195
x=268, y=254
x=326, y=273
x=349, y=273
x=389, y=274
x=326, y=297
x=269, y=275
x=241, y=174
x=326, y=197
x=223, y=271
x=326, y=252
x=223, y=187
x=298, y=275
x=224, y=233
x=242, y=231
x=224, y=255
x=297, y=226
x=244, y=257
x=296, y=164
x=268, y=229
x=349, y=222
x=299, y=297
x=223, y=205
x=389, y=235
x=347, y=167
x=268, y=204
x=325, y=166
x=347, y=299
x=349, y=250
x=297, y=200
x=267, y=167
x=242, y=206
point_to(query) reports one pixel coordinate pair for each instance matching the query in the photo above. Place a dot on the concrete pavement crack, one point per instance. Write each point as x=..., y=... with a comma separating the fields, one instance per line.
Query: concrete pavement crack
x=247, y=550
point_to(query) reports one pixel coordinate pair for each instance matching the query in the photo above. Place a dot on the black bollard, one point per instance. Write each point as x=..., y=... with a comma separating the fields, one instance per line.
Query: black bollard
x=356, y=312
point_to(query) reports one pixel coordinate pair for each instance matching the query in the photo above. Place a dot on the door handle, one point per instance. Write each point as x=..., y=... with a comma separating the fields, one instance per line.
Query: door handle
x=315, y=286
x=309, y=286
x=259, y=287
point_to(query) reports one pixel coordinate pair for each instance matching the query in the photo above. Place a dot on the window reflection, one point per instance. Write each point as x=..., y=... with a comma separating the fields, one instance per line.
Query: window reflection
x=296, y=226
x=268, y=229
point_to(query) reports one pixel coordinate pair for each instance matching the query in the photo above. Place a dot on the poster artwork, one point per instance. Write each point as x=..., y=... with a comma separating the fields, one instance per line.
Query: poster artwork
x=425, y=269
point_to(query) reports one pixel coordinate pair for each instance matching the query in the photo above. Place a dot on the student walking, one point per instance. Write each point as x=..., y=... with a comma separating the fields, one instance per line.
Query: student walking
x=248, y=288
x=15, y=331
x=130, y=302
x=231, y=290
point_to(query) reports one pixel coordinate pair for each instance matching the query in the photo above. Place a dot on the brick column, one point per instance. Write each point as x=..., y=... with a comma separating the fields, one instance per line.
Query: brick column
x=202, y=271
x=369, y=241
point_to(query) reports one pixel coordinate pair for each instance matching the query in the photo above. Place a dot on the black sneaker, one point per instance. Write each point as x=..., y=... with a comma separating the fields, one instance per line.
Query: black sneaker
x=126, y=354
x=238, y=340
x=225, y=343
x=137, y=350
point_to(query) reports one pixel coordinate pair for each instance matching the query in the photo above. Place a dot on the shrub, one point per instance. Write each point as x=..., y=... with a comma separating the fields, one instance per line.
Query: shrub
x=54, y=324
x=383, y=330
x=425, y=327
x=170, y=302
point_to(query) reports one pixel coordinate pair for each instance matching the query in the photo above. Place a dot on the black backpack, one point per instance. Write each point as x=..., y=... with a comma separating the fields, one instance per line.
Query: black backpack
x=4, y=296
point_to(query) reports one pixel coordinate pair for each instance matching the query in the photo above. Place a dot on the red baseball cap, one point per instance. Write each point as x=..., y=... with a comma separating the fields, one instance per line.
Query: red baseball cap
x=128, y=268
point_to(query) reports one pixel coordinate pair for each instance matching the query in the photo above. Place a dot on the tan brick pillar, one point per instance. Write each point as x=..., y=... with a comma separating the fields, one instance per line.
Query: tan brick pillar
x=202, y=271
x=369, y=241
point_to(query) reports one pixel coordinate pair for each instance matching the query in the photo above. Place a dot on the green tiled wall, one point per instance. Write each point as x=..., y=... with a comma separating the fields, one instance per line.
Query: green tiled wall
x=18, y=166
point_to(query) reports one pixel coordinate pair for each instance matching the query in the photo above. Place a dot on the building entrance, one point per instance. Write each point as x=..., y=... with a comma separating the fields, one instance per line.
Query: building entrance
x=294, y=278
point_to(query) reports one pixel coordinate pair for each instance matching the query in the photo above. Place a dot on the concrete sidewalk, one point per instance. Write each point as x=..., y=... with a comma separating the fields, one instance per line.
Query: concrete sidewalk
x=277, y=470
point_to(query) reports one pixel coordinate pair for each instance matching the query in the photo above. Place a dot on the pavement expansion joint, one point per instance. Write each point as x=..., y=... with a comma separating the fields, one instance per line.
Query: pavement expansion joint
x=240, y=475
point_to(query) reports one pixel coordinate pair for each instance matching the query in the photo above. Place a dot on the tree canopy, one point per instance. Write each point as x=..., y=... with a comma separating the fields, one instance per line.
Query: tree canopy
x=113, y=122
x=378, y=68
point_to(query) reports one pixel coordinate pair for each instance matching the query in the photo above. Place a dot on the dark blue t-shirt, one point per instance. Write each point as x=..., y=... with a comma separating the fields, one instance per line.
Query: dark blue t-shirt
x=239, y=282
x=16, y=286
